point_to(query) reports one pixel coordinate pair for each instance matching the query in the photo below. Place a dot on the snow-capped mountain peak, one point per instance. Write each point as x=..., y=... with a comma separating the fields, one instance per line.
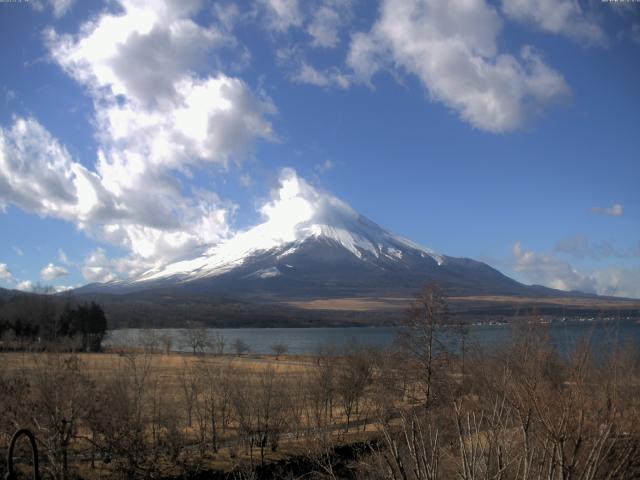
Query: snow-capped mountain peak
x=296, y=215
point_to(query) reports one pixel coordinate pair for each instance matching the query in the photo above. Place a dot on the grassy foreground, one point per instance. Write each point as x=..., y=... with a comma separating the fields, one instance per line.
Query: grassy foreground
x=520, y=411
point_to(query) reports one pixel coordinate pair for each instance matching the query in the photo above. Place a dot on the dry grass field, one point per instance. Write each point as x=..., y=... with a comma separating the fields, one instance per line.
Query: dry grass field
x=353, y=304
x=99, y=364
x=479, y=306
x=516, y=412
x=263, y=408
x=604, y=303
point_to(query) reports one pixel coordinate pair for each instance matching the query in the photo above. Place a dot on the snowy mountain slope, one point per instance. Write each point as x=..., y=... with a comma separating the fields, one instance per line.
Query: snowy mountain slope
x=360, y=237
x=313, y=244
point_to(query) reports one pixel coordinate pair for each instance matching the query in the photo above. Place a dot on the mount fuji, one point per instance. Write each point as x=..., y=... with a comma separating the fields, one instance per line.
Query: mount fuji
x=313, y=245
x=315, y=261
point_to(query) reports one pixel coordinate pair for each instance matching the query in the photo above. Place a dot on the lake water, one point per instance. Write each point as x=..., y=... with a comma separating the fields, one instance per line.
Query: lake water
x=564, y=336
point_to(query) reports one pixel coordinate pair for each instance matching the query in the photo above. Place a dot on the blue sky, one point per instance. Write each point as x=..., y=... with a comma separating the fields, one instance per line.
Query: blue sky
x=135, y=132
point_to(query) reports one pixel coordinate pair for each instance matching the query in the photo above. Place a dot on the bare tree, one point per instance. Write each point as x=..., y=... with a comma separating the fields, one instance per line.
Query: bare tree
x=411, y=450
x=119, y=425
x=279, y=348
x=270, y=410
x=188, y=388
x=321, y=386
x=149, y=340
x=212, y=401
x=418, y=335
x=195, y=337
x=62, y=397
x=240, y=346
x=166, y=341
x=354, y=375
x=217, y=343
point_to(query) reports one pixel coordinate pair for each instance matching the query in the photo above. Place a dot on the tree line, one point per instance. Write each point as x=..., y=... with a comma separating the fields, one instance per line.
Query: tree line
x=33, y=321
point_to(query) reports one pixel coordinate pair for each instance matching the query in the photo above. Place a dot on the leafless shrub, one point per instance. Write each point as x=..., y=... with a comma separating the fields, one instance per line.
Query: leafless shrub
x=195, y=337
x=419, y=336
x=61, y=398
x=279, y=349
x=354, y=376
x=121, y=422
x=240, y=346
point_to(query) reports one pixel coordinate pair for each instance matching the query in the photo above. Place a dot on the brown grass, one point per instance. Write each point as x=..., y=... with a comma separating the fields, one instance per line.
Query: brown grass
x=353, y=304
x=367, y=304
x=99, y=364
x=564, y=301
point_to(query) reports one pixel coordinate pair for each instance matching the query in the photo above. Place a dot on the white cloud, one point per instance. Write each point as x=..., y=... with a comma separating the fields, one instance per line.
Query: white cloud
x=98, y=267
x=140, y=209
x=5, y=273
x=324, y=27
x=18, y=250
x=300, y=71
x=633, y=33
x=549, y=270
x=246, y=180
x=209, y=121
x=38, y=175
x=25, y=286
x=579, y=246
x=62, y=288
x=227, y=14
x=324, y=167
x=452, y=48
x=282, y=14
x=296, y=205
x=62, y=257
x=619, y=282
x=53, y=272
x=9, y=95
x=616, y=210
x=156, y=121
x=61, y=7
x=564, y=17
x=58, y=7
x=320, y=78
x=327, y=20
x=141, y=53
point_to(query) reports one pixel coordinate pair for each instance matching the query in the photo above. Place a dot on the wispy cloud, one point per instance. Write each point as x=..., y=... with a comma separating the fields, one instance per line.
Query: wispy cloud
x=546, y=269
x=59, y=8
x=324, y=167
x=301, y=71
x=580, y=246
x=332, y=77
x=326, y=22
x=5, y=273
x=616, y=210
x=53, y=272
x=562, y=17
x=25, y=286
x=549, y=270
x=62, y=257
x=281, y=15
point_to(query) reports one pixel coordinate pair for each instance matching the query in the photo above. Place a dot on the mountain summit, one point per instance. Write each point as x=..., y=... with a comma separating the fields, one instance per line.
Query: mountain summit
x=312, y=244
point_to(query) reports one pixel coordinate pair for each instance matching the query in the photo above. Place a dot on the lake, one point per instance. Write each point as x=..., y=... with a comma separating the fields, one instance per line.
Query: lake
x=564, y=336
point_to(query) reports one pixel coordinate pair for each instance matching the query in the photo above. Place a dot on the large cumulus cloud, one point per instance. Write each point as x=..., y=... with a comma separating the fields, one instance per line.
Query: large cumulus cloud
x=159, y=117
